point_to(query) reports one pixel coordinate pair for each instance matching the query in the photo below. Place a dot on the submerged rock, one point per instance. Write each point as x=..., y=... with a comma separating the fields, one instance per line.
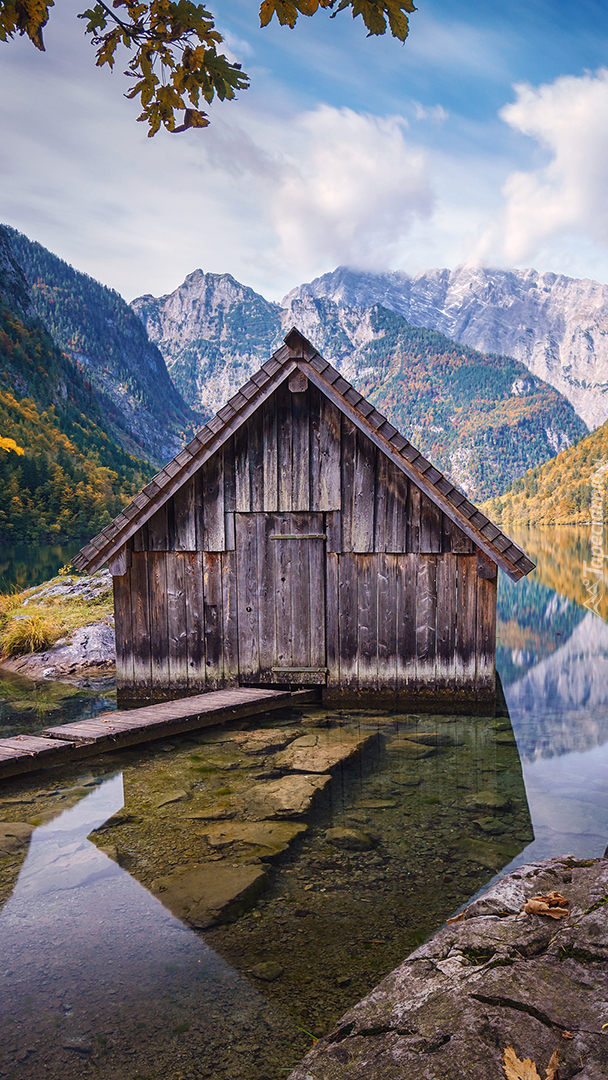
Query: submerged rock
x=268, y=971
x=350, y=839
x=320, y=751
x=290, y=796
x=263, y=839
x=13, y=836
x=210, y=893
x=491, y=981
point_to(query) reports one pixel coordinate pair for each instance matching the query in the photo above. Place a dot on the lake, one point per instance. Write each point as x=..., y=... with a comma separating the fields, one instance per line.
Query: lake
x=99, y=973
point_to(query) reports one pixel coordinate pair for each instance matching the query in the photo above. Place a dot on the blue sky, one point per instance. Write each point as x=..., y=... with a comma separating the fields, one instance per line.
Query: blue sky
x=484, y=138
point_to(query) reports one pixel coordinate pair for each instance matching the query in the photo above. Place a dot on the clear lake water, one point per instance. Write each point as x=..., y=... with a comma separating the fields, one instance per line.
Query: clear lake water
x=100, y=978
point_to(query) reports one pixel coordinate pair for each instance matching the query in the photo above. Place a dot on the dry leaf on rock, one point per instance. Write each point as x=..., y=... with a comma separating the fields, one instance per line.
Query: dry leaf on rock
x=519, y=1070
x=526, y=1069
x=551, y=1073
x=553, y=905
x=567, y=1034
x=457, y=918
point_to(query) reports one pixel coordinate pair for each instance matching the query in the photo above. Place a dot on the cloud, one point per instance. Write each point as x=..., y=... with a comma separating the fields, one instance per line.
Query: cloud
x=352, y=193
x=565, y=194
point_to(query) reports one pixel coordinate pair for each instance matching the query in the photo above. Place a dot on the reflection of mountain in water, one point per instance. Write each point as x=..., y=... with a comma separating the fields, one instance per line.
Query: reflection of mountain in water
x=533, y=622
x=561, y=704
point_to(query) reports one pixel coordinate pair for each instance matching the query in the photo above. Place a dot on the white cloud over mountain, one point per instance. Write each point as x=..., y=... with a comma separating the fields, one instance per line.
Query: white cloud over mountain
x=352, y=192
x=566, y=192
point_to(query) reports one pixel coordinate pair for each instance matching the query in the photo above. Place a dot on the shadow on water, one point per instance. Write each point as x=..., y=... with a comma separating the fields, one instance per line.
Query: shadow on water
x=98, y=971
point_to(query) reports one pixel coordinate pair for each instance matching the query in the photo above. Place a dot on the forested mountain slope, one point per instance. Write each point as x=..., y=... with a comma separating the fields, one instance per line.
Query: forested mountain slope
x=61, y=474
x=556, y=325
x=482, y=419
x=106, y=343
x=560, y=490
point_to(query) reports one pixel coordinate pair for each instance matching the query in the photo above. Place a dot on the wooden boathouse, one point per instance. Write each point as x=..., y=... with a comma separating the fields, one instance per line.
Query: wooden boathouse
x=299, y=540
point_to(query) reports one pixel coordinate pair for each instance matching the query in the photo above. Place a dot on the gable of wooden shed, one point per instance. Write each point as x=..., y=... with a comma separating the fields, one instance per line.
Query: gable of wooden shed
x=285, y=447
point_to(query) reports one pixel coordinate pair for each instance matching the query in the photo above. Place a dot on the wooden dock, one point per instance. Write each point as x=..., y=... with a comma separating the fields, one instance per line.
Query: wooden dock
x=115, y=730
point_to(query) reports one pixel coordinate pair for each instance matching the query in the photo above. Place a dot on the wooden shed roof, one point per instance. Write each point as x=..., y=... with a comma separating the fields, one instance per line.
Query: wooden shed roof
x=297, y=352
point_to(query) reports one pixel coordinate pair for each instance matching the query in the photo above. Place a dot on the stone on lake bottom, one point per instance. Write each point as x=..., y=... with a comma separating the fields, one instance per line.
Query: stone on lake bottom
x=350, y=839
x=320, y=751
x=408, y=748
x=13, y=836
x=291, y=796
x=211, y=893
x=268, y=971
x=266, y=838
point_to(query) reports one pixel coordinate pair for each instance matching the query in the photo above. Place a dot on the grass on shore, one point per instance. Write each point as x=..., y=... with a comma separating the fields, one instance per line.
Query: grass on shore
x=31, y=621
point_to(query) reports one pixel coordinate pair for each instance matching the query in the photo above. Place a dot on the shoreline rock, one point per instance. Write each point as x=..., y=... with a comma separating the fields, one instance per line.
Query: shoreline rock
x=91, y=650
x=490, y=981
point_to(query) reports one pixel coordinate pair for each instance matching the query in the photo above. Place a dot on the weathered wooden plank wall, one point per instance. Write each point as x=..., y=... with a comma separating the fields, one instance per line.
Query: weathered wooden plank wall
x=391, y=600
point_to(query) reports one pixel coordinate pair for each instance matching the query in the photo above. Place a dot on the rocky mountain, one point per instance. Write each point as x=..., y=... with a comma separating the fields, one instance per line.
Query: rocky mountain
x=61, y=474
x=482, y=419
x=106, y=344
x=212, y=332
x=557, y=326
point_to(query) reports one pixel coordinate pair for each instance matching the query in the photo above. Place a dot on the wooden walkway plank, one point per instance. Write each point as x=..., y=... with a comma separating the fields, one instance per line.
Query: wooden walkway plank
x=25, y=753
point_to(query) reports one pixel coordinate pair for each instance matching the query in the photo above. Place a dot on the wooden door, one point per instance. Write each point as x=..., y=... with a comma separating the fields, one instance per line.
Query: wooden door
x=281, y=597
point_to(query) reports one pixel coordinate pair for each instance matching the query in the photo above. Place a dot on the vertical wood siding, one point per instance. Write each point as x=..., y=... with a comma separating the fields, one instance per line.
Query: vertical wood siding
x=389, y=600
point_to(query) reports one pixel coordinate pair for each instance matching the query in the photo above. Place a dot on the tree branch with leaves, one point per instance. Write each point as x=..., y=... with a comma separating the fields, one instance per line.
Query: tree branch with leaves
x=175, y=61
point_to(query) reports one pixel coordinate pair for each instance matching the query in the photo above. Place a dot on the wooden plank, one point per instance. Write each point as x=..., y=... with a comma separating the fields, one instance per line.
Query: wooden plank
x=380, y=497
x=485, y=673
x=112, y=731
x=397, y=496
x=184, y=509
x=284, y=455
x=332, y=617
x=363, y=496
x=177, y=621
x=367, y=656
x=159, y=626
x=120, y=562
x=283, y=562
x=325, y=450
x=270, y=462
x=140, y=622
x=426, y=621
x=194, y=603
x=333, y=530
x=247, y=589
x=348, y=439
x=446, y=622
x=386, y=569
x=158, y=539
x=466, y=621
x=430, y=526
x=241, y=470
x=230, y=533
x=229, y=477
x=212, y=619
x=266, y=550
x=317, y=594
x=348, y=620
x=212, y=475
x=230, y=626
x=454, y=539
x=140, y=538
x=256, y=460
x=123, y=628
x=413, y=517
x=300, y=452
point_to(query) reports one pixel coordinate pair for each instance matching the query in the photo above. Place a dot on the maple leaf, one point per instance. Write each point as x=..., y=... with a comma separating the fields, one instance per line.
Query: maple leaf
x=519, y=1070
x=526, y=1069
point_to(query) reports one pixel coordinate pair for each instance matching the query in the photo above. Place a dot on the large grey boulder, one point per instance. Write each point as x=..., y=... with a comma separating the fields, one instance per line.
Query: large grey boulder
x=494, y=980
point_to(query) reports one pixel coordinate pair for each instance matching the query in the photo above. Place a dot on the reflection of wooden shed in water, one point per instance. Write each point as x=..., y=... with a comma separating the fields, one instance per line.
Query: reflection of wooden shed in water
x=300, y=540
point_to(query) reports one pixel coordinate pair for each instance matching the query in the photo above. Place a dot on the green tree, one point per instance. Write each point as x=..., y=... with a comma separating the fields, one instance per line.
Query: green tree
x=174, y=46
